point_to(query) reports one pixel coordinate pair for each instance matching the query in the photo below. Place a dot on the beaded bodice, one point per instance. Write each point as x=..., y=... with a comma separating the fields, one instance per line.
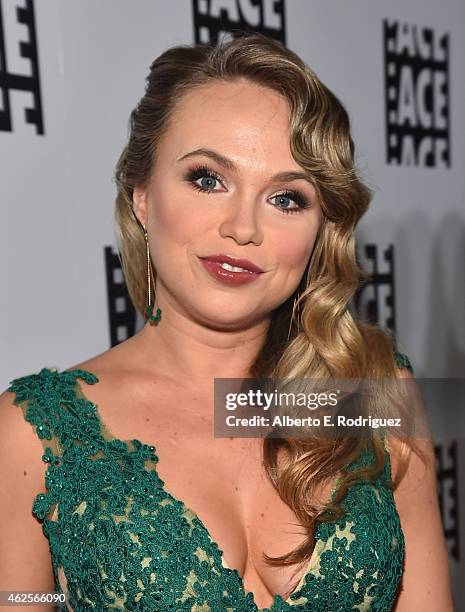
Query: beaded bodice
x=120, y=541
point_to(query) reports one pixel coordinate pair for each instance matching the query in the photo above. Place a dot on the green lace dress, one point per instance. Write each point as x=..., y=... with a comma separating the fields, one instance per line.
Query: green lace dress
x=120, y=541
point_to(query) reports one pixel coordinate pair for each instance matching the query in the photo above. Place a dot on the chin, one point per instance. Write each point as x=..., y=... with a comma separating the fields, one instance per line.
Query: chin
x=223, y=318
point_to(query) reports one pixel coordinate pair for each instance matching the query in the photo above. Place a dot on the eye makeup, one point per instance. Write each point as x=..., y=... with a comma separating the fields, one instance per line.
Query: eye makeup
x=197, y=172
x=202, y=171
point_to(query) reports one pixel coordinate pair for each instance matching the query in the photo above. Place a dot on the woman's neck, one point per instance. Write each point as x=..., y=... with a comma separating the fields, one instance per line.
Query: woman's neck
x=188, y=351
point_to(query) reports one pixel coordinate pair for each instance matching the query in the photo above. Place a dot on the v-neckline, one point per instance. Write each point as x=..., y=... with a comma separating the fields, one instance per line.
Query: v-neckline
x=276, y=598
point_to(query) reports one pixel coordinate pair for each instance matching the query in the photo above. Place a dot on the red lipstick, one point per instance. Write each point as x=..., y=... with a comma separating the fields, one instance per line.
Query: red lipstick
x=213, y=265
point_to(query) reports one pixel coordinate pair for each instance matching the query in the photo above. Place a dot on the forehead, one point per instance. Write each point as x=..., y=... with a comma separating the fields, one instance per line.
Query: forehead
x=235, y=94
x=237, y=114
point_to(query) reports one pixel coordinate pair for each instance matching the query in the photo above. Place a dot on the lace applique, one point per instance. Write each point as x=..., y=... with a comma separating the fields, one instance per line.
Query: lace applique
x=121, y=541
x=402, y=361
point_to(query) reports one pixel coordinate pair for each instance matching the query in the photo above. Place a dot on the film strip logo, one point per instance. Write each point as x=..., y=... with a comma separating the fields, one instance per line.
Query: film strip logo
x=379, y=306
x=121, y=312
x=10, y=81
x=448, y=492
x=218, y=19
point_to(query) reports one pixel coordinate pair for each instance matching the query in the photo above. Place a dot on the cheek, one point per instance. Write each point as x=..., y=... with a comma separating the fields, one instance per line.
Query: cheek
x=175, y=223
x=292, y=249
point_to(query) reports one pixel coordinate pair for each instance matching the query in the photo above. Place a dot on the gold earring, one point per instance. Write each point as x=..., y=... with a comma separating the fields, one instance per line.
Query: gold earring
x=154, y=319
x=292, y=318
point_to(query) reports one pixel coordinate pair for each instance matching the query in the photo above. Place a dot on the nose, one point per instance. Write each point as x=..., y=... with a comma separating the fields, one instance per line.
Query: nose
x=241, y=223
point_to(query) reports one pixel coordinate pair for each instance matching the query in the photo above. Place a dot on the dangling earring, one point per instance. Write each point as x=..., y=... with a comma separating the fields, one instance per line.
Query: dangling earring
x=292, y=318
x=154, y=320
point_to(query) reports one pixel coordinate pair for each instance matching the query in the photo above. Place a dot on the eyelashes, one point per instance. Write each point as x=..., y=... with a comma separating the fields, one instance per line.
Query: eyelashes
x=199, y=172
x=298, y=199
x=202, y=171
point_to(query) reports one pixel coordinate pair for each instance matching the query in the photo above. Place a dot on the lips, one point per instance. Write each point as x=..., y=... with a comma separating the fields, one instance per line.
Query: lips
x=232, y=261
x=213, y=264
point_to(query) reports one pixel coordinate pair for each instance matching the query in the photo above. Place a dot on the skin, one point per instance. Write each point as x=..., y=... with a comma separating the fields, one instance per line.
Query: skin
x=426, y=581
x=209, y=329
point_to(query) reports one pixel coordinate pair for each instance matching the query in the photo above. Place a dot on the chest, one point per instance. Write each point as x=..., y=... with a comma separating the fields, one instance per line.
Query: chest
x=224, y=482
x=166, y=528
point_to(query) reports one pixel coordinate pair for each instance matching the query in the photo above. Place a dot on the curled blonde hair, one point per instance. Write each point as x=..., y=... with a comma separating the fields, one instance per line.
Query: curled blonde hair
x=319, y=338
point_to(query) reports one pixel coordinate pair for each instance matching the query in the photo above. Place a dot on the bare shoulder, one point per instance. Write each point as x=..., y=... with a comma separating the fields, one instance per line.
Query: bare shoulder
x=23, y=478
x=420, y=456
x=114, y=361
x=108, y=360
x=426, y=581
x=122, y=382
x=123, y=369
x=21, y=535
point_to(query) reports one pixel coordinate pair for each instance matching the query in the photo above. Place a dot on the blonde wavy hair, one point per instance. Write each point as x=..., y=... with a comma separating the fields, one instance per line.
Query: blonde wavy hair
x=313, y=334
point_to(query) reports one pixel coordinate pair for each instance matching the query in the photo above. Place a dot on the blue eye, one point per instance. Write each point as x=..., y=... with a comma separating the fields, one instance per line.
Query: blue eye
x=202, y=172
x=208, y=182
x=295, y=196
x=209, y=177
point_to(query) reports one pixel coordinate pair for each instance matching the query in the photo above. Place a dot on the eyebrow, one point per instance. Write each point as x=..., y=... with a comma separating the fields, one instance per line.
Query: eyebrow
x=286, y=176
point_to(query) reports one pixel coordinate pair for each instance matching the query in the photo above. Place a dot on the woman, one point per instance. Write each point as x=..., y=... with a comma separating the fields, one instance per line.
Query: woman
x=236, y=208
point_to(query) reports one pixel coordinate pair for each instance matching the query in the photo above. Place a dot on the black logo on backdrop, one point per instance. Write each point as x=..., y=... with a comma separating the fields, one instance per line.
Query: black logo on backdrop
x=448, y=483
x=215, y=19
x=9, y=80
x=121, y=311
x=375, y=299
x=416, y=68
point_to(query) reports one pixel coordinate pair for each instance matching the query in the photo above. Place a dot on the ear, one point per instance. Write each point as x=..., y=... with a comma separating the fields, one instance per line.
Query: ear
x=139, y=199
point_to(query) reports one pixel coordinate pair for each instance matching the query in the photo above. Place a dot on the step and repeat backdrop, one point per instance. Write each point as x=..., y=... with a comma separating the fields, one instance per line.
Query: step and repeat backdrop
x=72, y=70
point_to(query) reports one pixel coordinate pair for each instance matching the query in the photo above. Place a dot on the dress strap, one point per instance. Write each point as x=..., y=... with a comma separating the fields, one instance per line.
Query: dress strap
x=402, y=361
x=63, y=421
x=50, y=403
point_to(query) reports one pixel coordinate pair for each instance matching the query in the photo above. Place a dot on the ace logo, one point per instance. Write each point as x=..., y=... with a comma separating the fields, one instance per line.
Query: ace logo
x=19, y=66
x=374, y=300
x=416, y=64
x=218, y=19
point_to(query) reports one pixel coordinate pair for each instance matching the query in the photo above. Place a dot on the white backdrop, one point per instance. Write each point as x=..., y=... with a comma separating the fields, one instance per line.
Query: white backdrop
x=57, y=193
